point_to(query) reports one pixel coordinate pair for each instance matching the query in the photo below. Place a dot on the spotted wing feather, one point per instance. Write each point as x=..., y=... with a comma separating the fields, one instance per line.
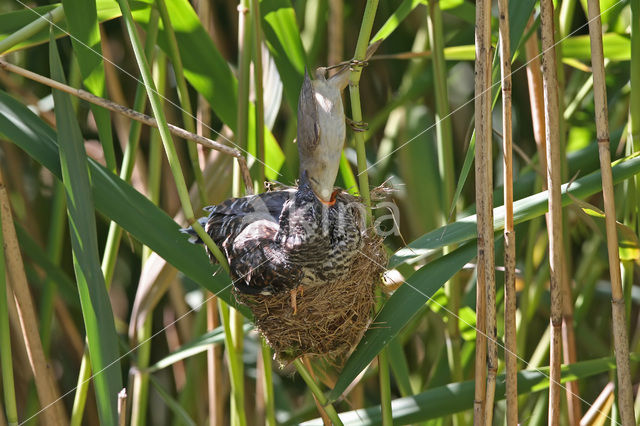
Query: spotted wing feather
x=245, y=229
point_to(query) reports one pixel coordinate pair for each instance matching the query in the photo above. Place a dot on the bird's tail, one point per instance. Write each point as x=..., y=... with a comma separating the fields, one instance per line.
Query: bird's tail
x=193, y=236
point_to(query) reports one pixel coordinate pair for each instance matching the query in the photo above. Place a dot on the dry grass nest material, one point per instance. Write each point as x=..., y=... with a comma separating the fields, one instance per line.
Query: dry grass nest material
x=331, y=318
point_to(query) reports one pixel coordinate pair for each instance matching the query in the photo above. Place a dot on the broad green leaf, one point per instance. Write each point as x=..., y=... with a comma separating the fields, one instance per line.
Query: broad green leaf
x=404, y=304
x=464, y=173
x=419, y=171
x=616, y=47
x=208, y=72
x=198, y=345
x=13, y=21
x=396, y=18
x=282, y=36
x=628, y=246
x=94, y=299
x=519, y=13
x=525, y=209
x=82, y=21
x=171, y=402
x=117, y=200
x=399, y=366
x=457, y=397
x=205, y=68
x=399, y=309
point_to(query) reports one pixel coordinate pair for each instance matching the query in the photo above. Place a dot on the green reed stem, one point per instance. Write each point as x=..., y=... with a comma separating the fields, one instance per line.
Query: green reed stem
x=140, y=393
x=115, y=231
x=444, y=140
x=55, y=241
x=128, y=161
x=363, y=177
x=257, y=78
x=244, y=71
x=169, y=147
x=235, y=367
x=6, y=358
x=385, y=388
x=183, y=95
x=634, y=103
x=315, y=389
x=269, y=397
x=31, y=29
x=80, y=398
x=356, y=107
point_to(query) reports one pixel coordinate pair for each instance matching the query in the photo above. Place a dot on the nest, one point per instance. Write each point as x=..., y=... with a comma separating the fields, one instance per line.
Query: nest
x=330, y=319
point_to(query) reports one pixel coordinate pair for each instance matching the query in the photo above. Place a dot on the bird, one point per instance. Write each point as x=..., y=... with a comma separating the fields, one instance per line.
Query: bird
x=295, y=237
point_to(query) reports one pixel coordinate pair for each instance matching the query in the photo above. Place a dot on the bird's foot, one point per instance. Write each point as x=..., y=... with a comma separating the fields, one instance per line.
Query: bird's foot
x=357, y=126
x=294, y=294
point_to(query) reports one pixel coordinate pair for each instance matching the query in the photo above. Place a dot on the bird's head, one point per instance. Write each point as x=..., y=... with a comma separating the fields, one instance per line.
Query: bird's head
x=321, y=130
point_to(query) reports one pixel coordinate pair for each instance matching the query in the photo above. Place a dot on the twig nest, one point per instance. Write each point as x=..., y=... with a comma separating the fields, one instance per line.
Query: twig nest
x=330, y=318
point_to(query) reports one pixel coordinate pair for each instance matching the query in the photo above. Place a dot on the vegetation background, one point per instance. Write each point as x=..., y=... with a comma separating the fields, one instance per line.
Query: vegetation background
x=104, y=293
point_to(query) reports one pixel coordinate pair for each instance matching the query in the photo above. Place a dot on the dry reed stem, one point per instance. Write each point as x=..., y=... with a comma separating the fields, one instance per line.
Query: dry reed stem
x=122, y=407
x=114, y=88
x=510, y=352
x=336, y=32
x=569, y=352
x=600, y=407
x=484, y=203
x=139, y=175
x=536, y=97
x=534, y=78
x=551, y=114
x=22, y=374
x=620, y=339
x=326, y=421
x=134, y=115
x=215, y=369
x=47, y=388
x=173, y=342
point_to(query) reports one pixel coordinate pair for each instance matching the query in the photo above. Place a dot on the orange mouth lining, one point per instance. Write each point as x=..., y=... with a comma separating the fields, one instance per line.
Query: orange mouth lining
x=331, y=201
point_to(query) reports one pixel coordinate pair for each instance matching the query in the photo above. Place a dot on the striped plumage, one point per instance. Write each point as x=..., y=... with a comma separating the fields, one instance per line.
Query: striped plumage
x=304, y=236
x=279, y=240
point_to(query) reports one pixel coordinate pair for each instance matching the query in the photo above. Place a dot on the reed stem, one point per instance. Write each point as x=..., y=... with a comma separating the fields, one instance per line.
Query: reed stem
x=47, y=388
x=444, y=140
x=484, y=203
x=356, y=107
x=556, y=246
x=183, y=95
x=259, y=102
x=6, y=358
x=31, y=29
x=269, y=397
x=235, y=370
x=511, y=349
x=134, y=115
x=620, y=338
x=317, y=392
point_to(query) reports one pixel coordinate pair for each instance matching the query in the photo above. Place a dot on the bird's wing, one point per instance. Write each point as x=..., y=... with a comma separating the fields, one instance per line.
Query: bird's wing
x=230, y=217
x=269, y=203
x=257, y=263
x=308, y=130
